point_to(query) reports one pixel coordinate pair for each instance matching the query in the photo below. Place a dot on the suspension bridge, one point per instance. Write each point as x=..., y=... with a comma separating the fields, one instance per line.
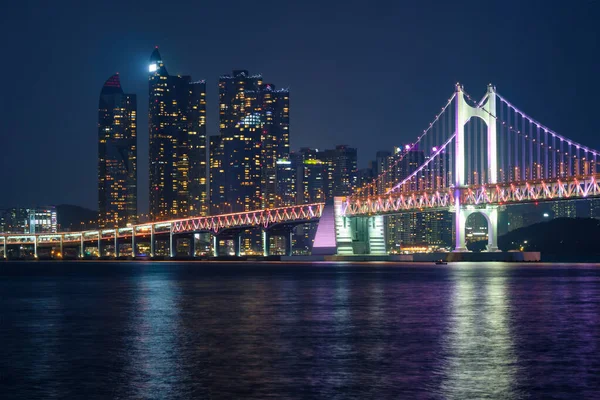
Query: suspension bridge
x=474, y=157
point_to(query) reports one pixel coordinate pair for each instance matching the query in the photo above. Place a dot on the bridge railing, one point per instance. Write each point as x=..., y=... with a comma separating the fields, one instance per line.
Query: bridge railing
x=399, y=202
x=572, y=187
x=264, y=218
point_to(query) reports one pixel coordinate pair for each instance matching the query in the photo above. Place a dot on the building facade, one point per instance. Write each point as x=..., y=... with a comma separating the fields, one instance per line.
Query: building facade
x=254, y=135
x=117, y=156
x=29, y=220
x=564, y=209
x=341, y=171
x=177, y=130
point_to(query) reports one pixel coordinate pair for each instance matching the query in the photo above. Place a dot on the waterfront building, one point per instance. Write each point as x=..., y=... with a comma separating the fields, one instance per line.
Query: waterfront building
x=564, y=209
x=382, y=164
x=117, y=156
x=310, y=187
x=254, y=135
x=177, y=129
x=365, y=176
x=28, y=220
x=287, y=178
x=594, y=208
x=404, y=230
x=341, y=171
x=311, y=177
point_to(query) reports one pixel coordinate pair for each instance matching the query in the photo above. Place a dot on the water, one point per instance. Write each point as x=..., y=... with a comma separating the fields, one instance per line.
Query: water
x=101, y=330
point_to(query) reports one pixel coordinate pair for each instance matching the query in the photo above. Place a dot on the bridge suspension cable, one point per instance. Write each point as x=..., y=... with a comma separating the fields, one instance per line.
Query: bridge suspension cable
x=428, y=143
x=425, y=183
x=527, y=150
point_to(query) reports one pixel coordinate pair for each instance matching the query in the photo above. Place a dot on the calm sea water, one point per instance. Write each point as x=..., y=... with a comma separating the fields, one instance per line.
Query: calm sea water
x=100, y=330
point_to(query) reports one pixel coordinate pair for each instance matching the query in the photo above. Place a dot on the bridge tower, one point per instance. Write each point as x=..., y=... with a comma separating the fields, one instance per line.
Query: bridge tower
x=463, y=114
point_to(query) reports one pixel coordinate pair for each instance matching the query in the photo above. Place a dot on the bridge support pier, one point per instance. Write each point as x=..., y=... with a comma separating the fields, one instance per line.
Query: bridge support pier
x=266, y=243
x=215, y=246
x=81, y=247
x=193, y=245
x=236, y=239
x=237, y=244
x=116, y=244
x=152, y=241
x=491, y=215
x=289, y=237
x=285, y=232
x=133, y=250
x=171, y=243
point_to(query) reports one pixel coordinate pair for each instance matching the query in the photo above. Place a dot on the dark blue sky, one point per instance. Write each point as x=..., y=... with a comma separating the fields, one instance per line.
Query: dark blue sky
x=370, y=74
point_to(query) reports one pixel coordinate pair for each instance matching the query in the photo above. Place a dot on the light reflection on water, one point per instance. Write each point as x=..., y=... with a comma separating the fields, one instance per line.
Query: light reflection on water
x=167, y=330
x=480, y=359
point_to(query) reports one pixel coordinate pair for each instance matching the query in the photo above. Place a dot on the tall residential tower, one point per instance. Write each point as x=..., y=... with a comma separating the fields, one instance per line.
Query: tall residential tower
x=254, y=135
x=117, y=156
x=177, y=128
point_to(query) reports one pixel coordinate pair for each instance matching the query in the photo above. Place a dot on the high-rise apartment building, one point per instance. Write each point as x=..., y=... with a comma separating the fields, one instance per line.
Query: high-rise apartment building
x=254, y=135
x=341, y=170
x=117, y=155
x=382, y=164
x=287, y=179
x=177, y=129
x=311, y=178
x=564, y=209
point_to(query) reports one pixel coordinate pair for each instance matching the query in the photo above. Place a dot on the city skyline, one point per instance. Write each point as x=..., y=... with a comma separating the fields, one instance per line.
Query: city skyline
x=392, y=110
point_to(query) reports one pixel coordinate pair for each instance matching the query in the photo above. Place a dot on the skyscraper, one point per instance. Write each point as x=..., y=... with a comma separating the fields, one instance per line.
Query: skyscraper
x=405, y=229
x=117, y=156
x=341, y=171
x=310, y=188
x=177, y=129
x=383, y=160
x=254, y=134
x=287, y=179
x=274, y=105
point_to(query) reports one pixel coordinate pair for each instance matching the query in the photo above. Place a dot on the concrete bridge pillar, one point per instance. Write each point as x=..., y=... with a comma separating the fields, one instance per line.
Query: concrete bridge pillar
x=460, y=223
x=192, y=248
x=81, y=247
x=152, y=240
x=172, y=243
x=491, y=215
x=237, y=244
x=266, y=242
x=215, y=245
x=289, y=237
x=116, y=244
x=133, y=250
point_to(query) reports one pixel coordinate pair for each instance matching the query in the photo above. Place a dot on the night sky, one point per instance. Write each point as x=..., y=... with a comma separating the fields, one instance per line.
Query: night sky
x=370, y=74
